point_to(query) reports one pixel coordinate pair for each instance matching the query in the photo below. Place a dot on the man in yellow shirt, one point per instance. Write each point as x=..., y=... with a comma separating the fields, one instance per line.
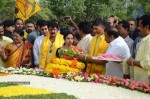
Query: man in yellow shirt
x=98, y=46
x=50, y=44
x=141, y=65
x=3, y=42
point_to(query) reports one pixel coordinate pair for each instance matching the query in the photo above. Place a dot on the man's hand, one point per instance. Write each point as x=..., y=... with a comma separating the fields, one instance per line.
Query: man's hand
x=80, y=56
x=2, y=50
x=130, y=61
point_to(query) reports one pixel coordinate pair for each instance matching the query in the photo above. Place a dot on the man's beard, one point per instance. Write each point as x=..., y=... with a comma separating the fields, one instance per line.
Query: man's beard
x=29, y=31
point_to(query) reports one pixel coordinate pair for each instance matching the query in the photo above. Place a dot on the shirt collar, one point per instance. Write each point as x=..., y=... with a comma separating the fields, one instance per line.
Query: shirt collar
x=146, y=38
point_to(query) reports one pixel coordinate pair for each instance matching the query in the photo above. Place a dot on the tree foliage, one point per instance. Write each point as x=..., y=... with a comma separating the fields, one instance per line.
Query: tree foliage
x=79, y=10
x=6, y=9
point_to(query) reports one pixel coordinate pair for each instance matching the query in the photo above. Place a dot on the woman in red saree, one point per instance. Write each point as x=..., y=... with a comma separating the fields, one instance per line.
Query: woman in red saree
x=18, y=53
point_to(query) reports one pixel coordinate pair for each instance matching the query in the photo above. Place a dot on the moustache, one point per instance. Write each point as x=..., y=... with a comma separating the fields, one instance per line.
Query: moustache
x=53, y=33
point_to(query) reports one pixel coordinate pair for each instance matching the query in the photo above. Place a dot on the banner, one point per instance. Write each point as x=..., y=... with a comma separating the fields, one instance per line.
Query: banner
x=26, y=8
x=138, y=12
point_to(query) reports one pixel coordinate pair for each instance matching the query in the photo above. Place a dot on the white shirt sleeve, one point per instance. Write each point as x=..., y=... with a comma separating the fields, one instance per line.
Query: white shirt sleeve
x=36, y=50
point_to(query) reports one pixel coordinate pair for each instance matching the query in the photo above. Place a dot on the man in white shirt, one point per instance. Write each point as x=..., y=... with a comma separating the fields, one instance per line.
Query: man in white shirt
x=118, y=47
x=84, y=43
x=38, y=41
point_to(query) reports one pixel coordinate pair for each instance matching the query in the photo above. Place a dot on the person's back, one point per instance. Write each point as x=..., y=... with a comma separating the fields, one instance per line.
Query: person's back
x=135, y=45
x=119, y=48
x=84, y=43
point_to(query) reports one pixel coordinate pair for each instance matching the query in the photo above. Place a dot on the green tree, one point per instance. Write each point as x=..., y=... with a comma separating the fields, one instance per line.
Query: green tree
x=79, y=10
x=73, y=8
x=6, y=9
x=45, y=12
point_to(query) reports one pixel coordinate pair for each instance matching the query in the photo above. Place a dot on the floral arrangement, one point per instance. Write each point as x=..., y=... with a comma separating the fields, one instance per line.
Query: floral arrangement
x=109, y=57
x=23, y=71
x=12, y=91
x=109, y=80
x=85, y=77
x=69, y=52
x=60, y=65
x=16, y=90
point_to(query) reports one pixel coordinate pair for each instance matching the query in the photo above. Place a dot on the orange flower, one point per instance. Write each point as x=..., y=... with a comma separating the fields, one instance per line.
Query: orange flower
x=3, y=74
x=76, y=48
x=52, y=60
x=55, y=71
x=74, y=63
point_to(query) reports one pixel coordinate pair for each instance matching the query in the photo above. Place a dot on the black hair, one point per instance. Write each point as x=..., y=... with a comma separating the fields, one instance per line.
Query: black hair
x=65, y=32
x=113, y=32
x=19, y=31
x=145, y=20
x=15, y=20
x=38, y=22
x=97, y=22
x=107, y=26
x=43, y=23
x=53, y=23
x=30, y=21
x=8, y=23
x=85, y=27
x=125, y=24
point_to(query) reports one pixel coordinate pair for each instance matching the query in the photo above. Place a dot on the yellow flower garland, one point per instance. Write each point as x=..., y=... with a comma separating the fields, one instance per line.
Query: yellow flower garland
x=21, y=90
x=64, y=65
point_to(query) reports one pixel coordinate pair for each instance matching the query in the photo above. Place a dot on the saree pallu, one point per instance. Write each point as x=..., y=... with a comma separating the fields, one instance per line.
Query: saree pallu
x=45, y=55
x=19, y=56
x=98, y=46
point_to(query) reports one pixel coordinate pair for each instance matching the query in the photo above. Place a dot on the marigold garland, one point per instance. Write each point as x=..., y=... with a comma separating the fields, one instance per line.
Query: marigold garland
x=74, y=63
x=55, y=71
x=61, y=65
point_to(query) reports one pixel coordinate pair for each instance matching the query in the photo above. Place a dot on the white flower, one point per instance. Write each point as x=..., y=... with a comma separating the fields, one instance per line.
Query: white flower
x=20, y=71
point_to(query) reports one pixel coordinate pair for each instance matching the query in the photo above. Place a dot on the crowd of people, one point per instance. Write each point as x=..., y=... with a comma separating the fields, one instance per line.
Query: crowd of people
x=26, y=44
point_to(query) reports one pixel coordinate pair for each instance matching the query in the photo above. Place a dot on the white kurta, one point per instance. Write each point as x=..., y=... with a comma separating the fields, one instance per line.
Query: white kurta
x=85, y=42
x=36, y=49
x=119, y=48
